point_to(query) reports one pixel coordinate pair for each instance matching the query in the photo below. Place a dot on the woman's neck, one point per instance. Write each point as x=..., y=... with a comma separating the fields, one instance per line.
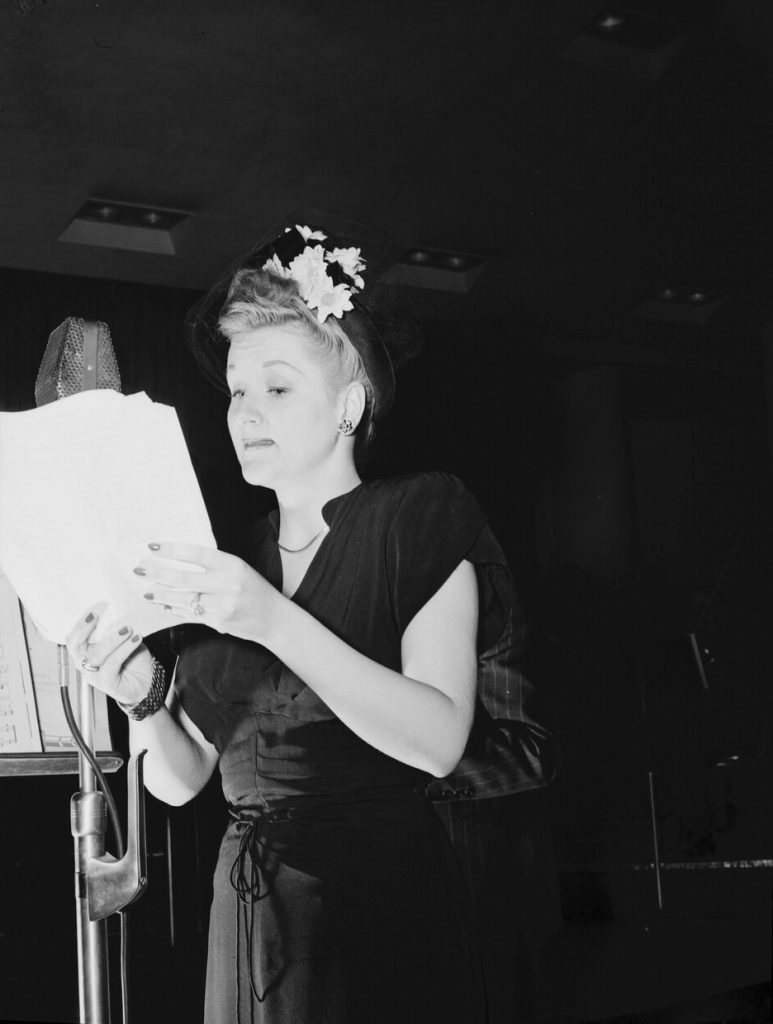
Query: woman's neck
x=300, y=508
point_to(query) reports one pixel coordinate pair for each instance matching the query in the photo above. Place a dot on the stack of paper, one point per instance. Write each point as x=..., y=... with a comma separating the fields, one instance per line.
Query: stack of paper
x=86, y=483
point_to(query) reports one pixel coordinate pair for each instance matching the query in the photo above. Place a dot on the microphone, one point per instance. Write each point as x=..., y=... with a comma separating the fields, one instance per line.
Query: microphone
x=79, y=357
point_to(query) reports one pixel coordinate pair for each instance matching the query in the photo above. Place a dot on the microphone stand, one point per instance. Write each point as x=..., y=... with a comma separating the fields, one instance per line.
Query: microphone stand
x=103, y=885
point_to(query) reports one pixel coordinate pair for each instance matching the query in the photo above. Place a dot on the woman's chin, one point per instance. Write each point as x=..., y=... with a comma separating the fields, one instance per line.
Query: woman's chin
x=253, y=475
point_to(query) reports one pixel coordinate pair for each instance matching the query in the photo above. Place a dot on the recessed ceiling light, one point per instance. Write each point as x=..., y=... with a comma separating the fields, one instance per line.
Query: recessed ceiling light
x=610, y=22
x=442, y=269
x=119, y=225
x=680, y=303
x=619, y=39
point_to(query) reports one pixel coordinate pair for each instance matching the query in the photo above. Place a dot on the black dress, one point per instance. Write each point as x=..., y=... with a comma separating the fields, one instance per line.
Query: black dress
x=337, y=895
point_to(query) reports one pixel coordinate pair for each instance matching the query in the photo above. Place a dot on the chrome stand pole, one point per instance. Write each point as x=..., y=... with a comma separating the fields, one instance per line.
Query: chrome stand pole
x=88, y=824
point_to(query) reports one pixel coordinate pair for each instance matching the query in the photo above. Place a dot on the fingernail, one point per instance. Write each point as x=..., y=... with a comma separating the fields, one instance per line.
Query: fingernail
x=148, y=597
x=135, y=638
x=139, y=571
x=90, y=617
x=154, y=547
x=123, y=630
x=167, y=607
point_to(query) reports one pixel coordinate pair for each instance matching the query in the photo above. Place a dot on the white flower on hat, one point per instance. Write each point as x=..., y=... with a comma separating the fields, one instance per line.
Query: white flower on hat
x=310, y=272
x=274, y=264
x=309, y=234
x=309, y=269
x=350, y=262
x=336, y=301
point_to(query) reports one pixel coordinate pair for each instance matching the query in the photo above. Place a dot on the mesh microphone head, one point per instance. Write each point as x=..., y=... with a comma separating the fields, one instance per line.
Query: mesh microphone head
x=79, y=357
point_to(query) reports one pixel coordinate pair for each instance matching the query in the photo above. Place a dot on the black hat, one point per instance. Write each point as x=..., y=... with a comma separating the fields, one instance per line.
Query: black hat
x=350, y=262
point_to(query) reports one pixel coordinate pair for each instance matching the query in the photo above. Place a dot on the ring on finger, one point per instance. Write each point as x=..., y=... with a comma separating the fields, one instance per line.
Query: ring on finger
x=196, y=606
x=86, y=666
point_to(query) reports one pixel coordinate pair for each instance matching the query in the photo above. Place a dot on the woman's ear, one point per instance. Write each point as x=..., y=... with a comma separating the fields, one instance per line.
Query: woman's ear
x=353, y=405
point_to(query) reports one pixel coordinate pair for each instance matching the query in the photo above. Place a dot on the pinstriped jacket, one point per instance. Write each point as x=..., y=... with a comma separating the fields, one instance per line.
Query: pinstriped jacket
x=511, y=749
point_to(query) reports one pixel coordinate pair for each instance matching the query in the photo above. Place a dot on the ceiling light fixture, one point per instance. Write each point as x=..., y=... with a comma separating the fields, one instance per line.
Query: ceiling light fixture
x=129, y=226
x=610, y=22
x=687, y=304
x=632, y=42
x=105, y=212
x=442, y=269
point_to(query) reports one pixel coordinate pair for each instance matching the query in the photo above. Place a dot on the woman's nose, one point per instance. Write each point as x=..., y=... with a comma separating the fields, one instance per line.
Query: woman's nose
x=250, y=412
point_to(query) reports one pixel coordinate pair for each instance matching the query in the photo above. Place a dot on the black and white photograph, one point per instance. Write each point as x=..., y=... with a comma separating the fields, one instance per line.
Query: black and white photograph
x=386, y=512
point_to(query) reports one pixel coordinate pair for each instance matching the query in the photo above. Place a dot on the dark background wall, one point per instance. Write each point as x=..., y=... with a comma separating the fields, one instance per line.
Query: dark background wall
x=675, y=540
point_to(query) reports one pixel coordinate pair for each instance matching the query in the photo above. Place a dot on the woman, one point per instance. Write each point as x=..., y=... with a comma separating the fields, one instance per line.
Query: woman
x=335, y=676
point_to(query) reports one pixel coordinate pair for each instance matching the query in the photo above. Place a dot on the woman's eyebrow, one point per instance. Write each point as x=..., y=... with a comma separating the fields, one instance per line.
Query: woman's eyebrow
x=282, y=362
x=270, y=362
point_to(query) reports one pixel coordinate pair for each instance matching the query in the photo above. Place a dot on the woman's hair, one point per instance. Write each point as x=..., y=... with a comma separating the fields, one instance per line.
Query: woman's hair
x=261, y=298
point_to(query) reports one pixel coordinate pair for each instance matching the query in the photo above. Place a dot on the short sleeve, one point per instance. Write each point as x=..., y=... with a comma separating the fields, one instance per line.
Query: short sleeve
x=215, y=679
x=198, y=701
x=435, y=524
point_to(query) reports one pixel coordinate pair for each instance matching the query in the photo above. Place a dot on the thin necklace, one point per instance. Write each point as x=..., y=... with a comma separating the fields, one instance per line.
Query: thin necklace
x=294, y=551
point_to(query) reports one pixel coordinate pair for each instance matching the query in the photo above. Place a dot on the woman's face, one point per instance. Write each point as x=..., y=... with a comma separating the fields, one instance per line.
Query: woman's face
x=283, y=418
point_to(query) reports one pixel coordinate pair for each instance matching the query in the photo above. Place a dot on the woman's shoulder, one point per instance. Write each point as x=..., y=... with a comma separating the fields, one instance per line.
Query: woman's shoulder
x=432, y=486
x=420, y=504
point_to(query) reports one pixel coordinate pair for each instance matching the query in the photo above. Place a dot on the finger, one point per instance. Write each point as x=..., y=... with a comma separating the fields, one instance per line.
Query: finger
x=164, y=575
x=198, y=554
x=109, y=677
x=82, y=630
x=114, y=661
x=85, y=625
x=173, y=600
x=97, y=654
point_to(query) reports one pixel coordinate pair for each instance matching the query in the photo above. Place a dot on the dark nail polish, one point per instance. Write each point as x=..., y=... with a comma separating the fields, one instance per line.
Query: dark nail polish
x=148, y=597
x=123, y=630
x=90, y=617
x=154, y=547
x=139, y=571
x=135, y=638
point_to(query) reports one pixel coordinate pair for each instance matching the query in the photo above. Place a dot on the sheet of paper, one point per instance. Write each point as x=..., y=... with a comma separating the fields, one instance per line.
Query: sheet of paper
x=85, y=484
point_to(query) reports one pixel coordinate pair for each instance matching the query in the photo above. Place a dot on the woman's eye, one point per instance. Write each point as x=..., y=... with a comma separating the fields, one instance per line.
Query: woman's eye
x=277, y=390
x=237, y=393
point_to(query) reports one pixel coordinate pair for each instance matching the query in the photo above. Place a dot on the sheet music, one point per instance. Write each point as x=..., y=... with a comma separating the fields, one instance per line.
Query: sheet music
x=85, y=484
x=32, y=719
x=19, y=729
x=54, y=730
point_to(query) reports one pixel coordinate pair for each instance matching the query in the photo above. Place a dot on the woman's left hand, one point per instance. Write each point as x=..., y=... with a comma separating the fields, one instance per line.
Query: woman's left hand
x=217, y=589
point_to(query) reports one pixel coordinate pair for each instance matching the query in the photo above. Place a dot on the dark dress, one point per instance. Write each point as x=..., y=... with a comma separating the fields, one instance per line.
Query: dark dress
x=337, y=895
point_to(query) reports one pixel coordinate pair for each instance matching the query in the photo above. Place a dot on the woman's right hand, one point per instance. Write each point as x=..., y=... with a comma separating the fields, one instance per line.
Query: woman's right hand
x=122, y=666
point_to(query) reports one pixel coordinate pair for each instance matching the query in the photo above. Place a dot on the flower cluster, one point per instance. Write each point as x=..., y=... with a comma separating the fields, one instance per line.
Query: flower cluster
x=311, y=270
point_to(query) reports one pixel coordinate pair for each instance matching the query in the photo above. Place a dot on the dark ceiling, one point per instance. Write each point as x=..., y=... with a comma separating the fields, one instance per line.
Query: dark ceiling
x=455, y=125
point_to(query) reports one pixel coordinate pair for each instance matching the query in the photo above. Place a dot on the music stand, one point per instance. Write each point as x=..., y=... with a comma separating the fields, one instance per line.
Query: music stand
x=34, y=741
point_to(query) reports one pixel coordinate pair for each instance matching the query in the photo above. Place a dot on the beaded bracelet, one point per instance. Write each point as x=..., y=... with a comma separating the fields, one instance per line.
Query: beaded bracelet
x=154, y=698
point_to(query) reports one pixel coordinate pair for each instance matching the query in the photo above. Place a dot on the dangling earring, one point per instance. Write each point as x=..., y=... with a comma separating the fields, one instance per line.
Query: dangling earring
x=345, y=427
